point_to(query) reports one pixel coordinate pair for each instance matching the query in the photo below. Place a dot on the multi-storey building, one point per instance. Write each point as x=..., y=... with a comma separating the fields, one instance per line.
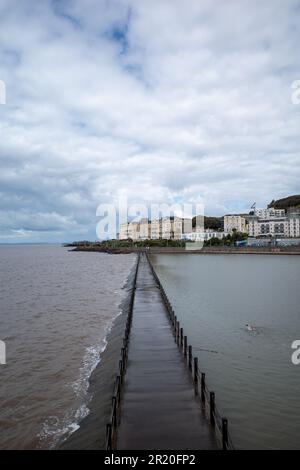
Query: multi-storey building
x=233, y=222
x=145, y=229
x=265, y=227
x=275, y=223
x=167, y=228
x=123, y=231
x=294, y=227
x=155, y=229
x=270, y=212
x=134, y=230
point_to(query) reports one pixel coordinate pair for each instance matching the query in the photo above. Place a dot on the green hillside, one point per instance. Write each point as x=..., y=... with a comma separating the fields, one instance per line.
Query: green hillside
x=214, y=223
x=290, y=201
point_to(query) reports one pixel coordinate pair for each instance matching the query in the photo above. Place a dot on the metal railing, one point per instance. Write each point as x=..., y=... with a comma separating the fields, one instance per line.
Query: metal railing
x=206, y=397
x=111, y=427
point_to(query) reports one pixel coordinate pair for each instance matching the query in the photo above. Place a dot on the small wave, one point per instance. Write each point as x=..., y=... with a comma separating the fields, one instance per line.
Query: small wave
x=55, y=429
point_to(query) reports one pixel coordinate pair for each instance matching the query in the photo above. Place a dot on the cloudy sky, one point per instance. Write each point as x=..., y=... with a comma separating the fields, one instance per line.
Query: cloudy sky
x=162, y=100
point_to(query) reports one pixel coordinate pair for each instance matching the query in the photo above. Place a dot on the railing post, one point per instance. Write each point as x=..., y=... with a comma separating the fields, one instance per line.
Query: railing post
x=212, y=408
x=108, y=437
x=203, y=387
x=181, y=337
x=190, y=357
x=123, y=356
x=224, y=433
x=121, y=369
x=114, y=412
x=178, y=332
x=196, y=374
x=185, y=346
x=118, y=388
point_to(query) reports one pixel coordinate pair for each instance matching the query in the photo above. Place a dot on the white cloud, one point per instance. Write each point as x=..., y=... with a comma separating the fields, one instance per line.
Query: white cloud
x=162, y=99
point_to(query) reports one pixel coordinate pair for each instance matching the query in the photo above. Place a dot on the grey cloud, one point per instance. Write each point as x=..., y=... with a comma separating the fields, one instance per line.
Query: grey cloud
x=163, y=103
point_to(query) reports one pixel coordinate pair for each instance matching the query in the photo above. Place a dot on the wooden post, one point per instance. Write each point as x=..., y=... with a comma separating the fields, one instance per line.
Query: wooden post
x=196, y=370
x=185, y=345
x=212, y=408
x=114, y=412
x=181, y=338
x=224, y=433
x=108, y=437
x=190, y=357
x=178, y=332
x=203, y=387
x=118, y=388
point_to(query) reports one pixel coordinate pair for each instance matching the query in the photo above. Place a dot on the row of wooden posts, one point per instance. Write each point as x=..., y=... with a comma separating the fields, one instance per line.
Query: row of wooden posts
x=112, y=425
x=207, y=398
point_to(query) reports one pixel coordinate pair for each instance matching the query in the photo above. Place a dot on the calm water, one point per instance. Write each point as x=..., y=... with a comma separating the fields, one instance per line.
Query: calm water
x=256, y=385
x=56, y=308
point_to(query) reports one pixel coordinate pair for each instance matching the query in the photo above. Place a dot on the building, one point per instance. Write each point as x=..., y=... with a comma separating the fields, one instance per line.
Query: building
x=123, y=231
x=275, y=223
x=134, y=230
x=174, y=227
x=270, y=212
x=235, y=223
x=169, y=228
x=145, y=229
x=155, y=229
x=203, y=236
x=275, y=226
x=294, y=227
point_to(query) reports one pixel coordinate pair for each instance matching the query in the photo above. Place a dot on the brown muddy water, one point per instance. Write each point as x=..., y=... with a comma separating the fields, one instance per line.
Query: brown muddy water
x=56, y=311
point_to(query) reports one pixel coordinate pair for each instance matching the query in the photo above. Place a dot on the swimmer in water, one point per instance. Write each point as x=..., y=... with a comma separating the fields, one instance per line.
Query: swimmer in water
x=250, y=327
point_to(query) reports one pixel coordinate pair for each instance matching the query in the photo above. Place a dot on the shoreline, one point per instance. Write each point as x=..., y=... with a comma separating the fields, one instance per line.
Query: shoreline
x=91, y=433
x=290, y=250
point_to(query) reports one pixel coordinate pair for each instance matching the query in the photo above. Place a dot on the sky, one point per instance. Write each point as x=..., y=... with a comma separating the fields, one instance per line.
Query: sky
x=159, y=100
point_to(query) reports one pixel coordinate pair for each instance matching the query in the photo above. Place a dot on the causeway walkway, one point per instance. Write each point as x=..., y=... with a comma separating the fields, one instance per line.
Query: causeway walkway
x=158, y=407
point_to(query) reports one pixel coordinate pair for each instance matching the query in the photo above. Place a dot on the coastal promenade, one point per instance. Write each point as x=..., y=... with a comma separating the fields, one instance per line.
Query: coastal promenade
x=221, y=250
x=159, y=406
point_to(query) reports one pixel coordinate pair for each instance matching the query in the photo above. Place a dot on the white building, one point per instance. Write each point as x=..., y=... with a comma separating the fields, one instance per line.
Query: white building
x=123, y=231
x=169, y=228
x=294, y=227
x=198, y=236
x=233, y=222
x=155, y=229
x=265, y=227
x=270, y=212
x=145, y=229
x=134, y=230
x=274, y=223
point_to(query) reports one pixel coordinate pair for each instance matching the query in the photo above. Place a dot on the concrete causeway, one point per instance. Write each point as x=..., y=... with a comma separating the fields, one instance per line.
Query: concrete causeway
x=159, y=409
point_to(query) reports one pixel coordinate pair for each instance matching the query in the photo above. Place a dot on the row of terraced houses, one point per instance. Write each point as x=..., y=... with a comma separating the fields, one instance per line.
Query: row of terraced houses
x=260, y=223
